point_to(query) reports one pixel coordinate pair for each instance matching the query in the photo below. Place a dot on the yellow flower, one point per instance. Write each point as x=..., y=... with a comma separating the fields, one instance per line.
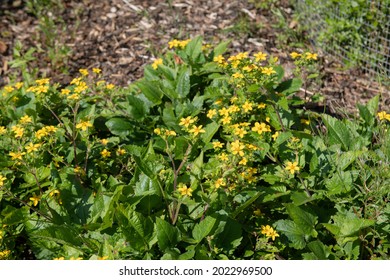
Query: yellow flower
x=233, y=109
x=110, y=86
x=217, y=145
x=247, y=106
x=237, y=148
x=269, y=232
x=304, y=121
x=8, y=89
x=74, y=96
x=105, y=153
x=268, y=71
x=223, y=157
x=226, y=120
x=211, y=113
x=65, y=91
x=157, y=131
x=120, y=152
x=219, y=183
x=103, y=258
x=40, y=89
x=156, y=63
x=35, y=199
x=260, y=56
x=42, y=82
x=17, y=155
x=261, y=106
x=224, y=112
x=170, y=133
x=238, y=76
x=18, y=85
x=30, y=147
x=96, y=70
x=294, y=55
x=233, y=99
x=219, y=59
x=275, y=135
x=84, y=125
x=243, y=161
x=383, y=115
x=238, y=131
x=312, y=56
x=292, y=167
x=19, y=131
x=76, y=81
x=82, y=86
x=59, y=259
x=184, y=190
x=247, y=68
x=104, y=142
x=3, y=130
x=84, y=72
x=186, y=122
x=25, y=119
x=195, y=130
x=2, y=179
x=261, y=127
x=54, y=193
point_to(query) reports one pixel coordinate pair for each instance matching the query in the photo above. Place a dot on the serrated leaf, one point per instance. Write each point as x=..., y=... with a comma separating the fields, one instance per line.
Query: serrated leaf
x=303, y=219
x=338, y=132
x=137, y=108
x=294, y=233
x=204, y=228
x=167, y=235
x=320, y=251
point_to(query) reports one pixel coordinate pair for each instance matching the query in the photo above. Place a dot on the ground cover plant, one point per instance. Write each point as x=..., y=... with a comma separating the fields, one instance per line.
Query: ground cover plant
x=208, y=156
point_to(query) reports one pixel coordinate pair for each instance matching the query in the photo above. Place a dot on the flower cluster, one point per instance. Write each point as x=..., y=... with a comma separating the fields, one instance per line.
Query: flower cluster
x=269, y=232
x=178, y=44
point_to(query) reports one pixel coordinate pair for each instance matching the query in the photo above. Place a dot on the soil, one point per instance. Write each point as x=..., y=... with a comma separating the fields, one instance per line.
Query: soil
x=122, y=36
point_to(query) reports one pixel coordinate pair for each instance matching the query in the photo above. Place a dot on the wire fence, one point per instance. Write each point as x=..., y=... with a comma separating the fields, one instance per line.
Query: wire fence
x=357, y=31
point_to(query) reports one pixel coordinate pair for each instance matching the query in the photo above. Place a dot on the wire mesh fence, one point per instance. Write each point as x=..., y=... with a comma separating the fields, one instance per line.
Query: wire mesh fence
x=357, y=31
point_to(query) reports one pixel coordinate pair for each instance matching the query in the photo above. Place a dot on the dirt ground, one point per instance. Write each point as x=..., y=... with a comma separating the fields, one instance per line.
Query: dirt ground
x=121, y=36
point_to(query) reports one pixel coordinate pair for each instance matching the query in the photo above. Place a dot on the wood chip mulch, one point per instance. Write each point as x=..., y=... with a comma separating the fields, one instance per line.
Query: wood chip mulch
x=122, y=36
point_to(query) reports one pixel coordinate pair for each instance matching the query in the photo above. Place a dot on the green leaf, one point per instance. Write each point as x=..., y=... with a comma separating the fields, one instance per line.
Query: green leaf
x=210, y=129
x=151, y=91
x=246, y=204
x=183, y=84
x=290, y=86
x=320, y=251
x=221, y=48
x=194, y=49
x=340, y=182
x=144, y=167
x=167, y=235
x=119, y=126
x=338, y=132
x=295, y=234
x=137, y=108
x=204, y=228
x=303, y=219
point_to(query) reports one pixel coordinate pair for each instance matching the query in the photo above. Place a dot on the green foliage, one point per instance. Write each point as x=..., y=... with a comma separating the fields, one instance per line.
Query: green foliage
x=205, y=157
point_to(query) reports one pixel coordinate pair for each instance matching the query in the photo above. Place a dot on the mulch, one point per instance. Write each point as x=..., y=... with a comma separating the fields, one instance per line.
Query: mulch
x=122, y=36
